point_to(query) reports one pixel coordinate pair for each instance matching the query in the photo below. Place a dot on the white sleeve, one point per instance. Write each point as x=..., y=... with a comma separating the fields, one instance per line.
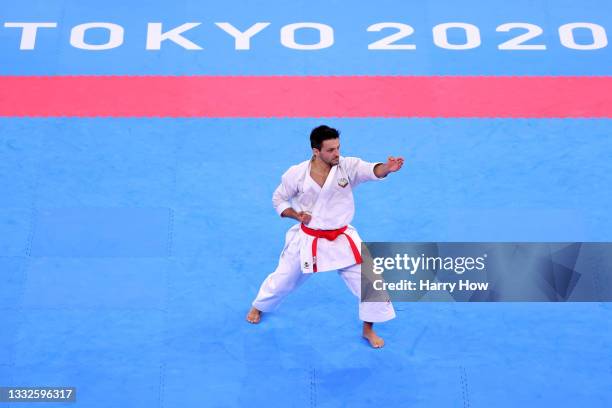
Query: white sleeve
x=286, y=190
x=359, y=170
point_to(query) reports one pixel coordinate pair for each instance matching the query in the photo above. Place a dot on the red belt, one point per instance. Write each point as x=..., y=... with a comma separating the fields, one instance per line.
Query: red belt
x=329, y=235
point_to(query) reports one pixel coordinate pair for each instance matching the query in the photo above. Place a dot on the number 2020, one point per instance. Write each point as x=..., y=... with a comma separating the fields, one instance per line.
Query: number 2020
x=472, y=36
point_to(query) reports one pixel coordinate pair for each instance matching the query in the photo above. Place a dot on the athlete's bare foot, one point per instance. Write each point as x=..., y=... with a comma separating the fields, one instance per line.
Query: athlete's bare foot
x=370, y=335
x=254, y=316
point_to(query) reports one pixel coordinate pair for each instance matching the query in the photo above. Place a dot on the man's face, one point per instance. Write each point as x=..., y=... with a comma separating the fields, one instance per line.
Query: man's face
x=330, y=151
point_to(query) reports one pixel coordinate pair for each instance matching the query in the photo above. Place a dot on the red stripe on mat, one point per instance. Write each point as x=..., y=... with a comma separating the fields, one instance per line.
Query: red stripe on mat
x=306, y=96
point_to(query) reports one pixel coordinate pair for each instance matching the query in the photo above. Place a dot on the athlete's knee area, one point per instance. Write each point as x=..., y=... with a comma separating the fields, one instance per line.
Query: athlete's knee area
x=284, y=281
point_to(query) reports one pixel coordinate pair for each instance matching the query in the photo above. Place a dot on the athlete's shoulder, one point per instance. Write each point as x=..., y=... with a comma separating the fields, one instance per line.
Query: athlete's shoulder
x=296, y=169
x=349, y=161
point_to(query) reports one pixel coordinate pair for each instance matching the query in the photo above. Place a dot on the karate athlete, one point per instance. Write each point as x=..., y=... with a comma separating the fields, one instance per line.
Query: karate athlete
x=318, y=193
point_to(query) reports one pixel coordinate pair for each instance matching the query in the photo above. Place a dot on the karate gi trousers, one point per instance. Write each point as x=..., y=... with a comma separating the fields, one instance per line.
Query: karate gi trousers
x=288, y=276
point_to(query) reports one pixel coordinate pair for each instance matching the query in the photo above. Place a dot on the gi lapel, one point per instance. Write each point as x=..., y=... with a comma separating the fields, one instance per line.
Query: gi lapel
x=326, y=191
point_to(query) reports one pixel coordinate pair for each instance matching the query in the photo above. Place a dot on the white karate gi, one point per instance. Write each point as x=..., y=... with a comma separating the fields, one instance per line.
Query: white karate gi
x=332, y=207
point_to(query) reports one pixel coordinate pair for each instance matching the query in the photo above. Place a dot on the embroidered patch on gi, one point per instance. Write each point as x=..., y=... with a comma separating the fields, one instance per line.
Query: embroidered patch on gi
x=342, y=182
x=306, y=265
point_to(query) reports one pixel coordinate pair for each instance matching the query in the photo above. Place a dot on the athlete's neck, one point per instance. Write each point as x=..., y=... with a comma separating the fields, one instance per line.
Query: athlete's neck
x=320, y=165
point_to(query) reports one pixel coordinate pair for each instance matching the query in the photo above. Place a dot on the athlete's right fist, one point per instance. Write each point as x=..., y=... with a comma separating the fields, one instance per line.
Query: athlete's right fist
x=304, y=217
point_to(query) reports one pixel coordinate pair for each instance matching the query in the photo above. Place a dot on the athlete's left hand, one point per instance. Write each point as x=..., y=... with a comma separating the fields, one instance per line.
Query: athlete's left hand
x=394, y=163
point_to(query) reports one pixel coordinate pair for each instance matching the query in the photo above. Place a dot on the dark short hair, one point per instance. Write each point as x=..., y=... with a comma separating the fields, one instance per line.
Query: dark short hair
x=321, y=133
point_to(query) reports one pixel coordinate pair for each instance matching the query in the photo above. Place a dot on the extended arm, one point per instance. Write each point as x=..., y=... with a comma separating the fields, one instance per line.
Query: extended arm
x=393, y=164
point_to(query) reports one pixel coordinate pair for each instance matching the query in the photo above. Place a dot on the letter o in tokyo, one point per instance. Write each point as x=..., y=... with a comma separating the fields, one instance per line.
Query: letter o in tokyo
x=115, y=38
x=326, y=36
